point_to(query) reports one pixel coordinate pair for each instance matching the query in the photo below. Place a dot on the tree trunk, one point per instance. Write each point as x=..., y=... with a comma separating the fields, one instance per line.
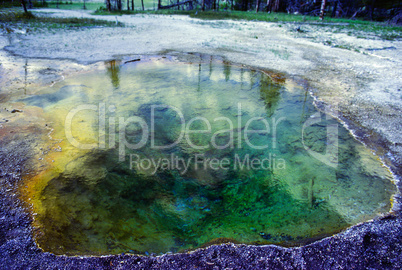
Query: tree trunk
x=203, y=5
x=142, y=3
x=108, y=5
x=322, y=13
x=371, y=10
x=258, y=6
x=132, y=4
x=276, y=5
x=24, y=6
x=217, y=7
x=335, y=8
x=159, y=4
x=269, y=3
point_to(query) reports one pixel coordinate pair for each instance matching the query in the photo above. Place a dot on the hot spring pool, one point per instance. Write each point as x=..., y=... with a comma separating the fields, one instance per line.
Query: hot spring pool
x=159, y=155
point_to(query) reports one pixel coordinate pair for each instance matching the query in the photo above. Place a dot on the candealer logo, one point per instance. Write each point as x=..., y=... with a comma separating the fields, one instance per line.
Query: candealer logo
x=200, y=162
x=237, y=133
x=186, y=129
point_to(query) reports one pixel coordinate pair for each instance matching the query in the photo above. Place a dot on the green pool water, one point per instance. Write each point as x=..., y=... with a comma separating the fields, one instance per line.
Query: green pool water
x=161, y=156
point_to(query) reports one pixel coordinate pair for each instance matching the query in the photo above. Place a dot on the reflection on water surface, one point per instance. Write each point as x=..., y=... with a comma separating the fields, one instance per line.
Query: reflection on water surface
x=234, y=166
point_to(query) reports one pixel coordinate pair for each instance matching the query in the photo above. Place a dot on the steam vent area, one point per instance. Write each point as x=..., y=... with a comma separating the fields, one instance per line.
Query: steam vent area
x=165, y=155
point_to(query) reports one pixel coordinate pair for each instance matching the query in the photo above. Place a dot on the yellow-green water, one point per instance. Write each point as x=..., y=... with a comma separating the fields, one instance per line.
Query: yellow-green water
x=250, y=177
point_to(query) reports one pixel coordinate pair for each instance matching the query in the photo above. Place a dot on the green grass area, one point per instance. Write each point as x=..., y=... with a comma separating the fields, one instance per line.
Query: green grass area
x=13, y=4
x=247, y=15
x=19, y=20
x=359, y=28
x=221, y=15
x=76, y=5
x=364, y=29
x=252, y=16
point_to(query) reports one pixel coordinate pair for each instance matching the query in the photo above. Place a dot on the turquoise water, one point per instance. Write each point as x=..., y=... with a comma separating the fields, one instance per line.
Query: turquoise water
x=212, y=153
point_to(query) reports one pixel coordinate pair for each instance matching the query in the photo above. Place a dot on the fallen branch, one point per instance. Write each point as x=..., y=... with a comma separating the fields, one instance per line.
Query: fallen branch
x=134, y=60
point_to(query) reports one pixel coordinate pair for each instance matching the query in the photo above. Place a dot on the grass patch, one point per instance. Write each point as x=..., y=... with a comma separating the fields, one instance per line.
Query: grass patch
x=76, y=6
x=368, y=30
x=19, y=20
x=219, y=15
x=252, y=16
x=362, y=29
x=148, y=4
x=391, y=36
x=17, y=3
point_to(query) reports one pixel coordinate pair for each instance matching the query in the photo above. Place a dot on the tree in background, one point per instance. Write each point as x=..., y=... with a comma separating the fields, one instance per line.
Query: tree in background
x=24, y=6
x=322, y=11
x=273, y=5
